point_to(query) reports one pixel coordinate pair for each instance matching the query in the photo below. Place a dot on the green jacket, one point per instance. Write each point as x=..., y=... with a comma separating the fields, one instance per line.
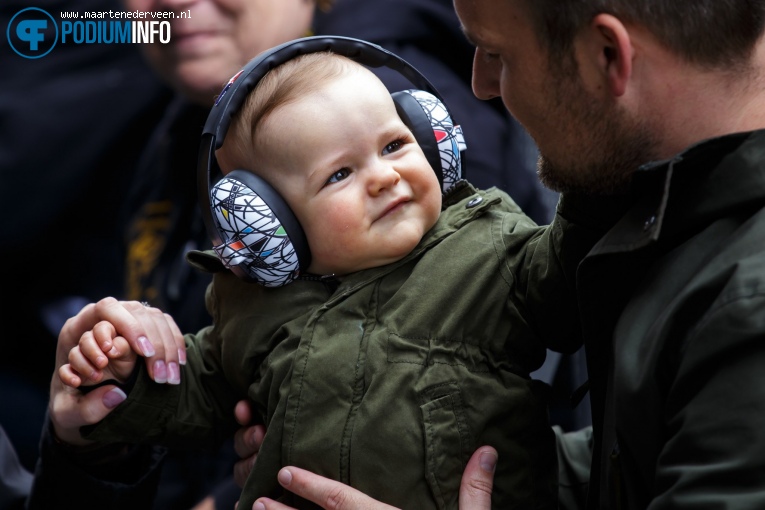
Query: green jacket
x=673, y=311
x=390, y=378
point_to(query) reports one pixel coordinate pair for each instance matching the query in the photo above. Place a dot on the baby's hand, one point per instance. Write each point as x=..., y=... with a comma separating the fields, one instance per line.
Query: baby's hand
x=100, y=355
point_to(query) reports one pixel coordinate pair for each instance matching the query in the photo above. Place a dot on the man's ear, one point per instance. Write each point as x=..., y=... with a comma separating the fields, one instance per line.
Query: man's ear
x=604, y=52
x=616, y=52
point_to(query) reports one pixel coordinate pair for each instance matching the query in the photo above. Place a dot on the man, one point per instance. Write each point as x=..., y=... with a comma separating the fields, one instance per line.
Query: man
x=659, y=102
x=669, y=298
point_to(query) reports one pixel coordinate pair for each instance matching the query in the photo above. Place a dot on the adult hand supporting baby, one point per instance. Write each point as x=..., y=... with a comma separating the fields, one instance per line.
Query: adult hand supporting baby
x=475, y=488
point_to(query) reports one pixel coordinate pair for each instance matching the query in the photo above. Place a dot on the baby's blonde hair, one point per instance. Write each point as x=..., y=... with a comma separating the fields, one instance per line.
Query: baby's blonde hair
x=280, y=86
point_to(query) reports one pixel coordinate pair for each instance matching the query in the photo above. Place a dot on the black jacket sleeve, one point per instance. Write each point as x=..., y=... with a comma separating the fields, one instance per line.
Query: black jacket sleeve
x=118, y=478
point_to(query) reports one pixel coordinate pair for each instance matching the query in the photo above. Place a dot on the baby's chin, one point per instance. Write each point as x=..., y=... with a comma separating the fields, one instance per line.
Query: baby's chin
x=376, y=252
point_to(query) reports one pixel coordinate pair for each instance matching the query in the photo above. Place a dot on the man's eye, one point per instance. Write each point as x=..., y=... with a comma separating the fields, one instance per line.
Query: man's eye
x=393, y=147
x=339, y=175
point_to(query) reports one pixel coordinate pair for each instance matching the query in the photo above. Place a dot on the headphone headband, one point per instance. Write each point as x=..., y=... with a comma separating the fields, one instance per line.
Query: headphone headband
x=234, y=94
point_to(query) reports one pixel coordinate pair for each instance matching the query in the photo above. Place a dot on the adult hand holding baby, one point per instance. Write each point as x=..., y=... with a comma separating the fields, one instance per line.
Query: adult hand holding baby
x=146, y=330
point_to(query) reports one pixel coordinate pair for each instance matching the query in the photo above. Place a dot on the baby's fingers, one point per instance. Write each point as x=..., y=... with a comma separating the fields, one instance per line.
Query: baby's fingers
x=68, y=376
x=104, y=335
x=91, y=349
x=83, y=366
x=121, y=350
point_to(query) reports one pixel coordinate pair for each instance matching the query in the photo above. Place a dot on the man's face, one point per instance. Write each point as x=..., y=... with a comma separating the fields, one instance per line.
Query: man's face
x=586, y=141
x=218, y=37
x=352, y=172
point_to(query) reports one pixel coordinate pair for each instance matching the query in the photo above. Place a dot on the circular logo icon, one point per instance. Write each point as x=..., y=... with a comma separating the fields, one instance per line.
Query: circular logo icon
x=32, y=33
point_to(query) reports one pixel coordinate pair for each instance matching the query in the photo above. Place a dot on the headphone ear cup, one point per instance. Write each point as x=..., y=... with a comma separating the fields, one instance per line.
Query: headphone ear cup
x=432, y=126
x=262, y=240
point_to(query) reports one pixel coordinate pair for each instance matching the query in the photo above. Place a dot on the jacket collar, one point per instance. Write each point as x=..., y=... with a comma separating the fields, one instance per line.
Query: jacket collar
x=678, y=196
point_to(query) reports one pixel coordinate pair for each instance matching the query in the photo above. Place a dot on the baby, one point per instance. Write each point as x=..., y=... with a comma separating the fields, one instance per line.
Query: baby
x=407, y=343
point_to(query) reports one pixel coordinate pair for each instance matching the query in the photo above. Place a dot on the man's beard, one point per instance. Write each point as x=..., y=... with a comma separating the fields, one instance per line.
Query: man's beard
x=606, y=146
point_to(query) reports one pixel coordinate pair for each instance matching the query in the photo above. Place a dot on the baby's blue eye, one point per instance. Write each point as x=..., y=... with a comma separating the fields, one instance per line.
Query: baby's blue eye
x=338, y=176
x=393, y=147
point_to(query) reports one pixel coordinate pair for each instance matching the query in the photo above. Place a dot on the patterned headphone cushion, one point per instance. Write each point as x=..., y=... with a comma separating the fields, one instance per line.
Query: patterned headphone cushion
x=443, y=143
x=256, y=245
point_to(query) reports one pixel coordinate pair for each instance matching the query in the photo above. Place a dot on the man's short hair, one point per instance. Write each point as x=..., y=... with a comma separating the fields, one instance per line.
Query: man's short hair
x=710, y=33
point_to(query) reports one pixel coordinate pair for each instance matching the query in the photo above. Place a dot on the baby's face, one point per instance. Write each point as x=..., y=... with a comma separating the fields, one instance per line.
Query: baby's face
x=352, y=172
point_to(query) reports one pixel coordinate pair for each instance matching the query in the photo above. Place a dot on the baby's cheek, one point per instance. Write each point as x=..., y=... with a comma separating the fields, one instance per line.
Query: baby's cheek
x=332, y=234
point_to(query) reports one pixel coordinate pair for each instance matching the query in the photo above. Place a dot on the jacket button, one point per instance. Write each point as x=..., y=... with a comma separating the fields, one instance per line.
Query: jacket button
x=649, y=223
x=474, y=202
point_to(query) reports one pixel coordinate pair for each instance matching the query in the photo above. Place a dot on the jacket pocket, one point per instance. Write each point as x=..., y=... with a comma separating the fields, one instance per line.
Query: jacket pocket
x=447, y=442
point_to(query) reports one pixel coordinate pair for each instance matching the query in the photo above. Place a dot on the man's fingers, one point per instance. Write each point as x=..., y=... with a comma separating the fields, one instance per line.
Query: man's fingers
x=267, y=504
x=478, y=480
x=247, y=441
x=243, y=412
x=475, y=489
x=242, y=470
x=328, y=494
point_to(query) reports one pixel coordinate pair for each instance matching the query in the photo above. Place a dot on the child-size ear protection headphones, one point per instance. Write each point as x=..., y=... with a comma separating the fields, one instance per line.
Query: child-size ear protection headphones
x=253, y=230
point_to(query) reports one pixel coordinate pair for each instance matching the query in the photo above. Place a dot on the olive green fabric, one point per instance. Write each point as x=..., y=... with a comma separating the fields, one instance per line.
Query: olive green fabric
x=389, y=378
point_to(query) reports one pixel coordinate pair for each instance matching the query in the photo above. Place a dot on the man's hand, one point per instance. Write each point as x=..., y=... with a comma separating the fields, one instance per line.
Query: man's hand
x=475, y=489
x=247, y=441
x=149, y=333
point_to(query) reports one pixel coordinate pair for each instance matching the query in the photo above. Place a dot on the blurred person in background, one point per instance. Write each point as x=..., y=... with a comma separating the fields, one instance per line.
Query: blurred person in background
x=72, y=124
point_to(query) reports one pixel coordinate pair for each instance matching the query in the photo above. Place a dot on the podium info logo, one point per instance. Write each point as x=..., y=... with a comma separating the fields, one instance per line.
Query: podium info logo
x=32, y=33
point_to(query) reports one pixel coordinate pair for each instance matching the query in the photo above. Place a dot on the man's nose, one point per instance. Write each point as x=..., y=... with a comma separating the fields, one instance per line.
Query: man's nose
x=486, y=72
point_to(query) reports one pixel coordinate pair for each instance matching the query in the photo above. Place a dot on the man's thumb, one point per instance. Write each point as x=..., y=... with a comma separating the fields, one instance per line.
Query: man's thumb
x=478, y=480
